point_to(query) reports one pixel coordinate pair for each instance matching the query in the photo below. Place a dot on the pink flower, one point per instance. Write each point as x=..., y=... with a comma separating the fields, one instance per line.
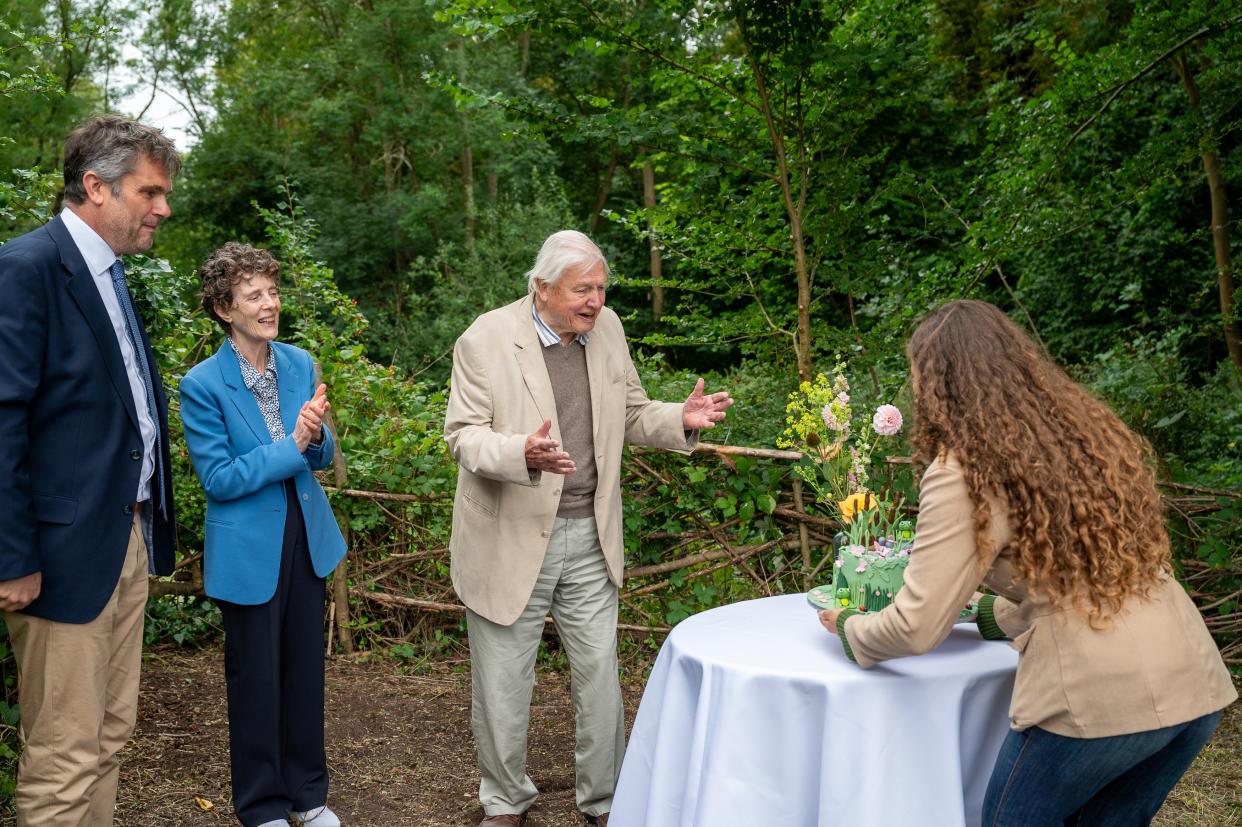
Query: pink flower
x=887, y=420
x=830, y=419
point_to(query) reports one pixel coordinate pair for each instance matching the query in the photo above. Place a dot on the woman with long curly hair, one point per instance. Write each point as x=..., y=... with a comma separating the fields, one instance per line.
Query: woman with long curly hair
x=1039, y=491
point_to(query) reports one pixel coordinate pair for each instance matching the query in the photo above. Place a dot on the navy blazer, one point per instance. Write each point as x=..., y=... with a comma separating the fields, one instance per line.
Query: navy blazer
x=70, y=448
x=243, y=473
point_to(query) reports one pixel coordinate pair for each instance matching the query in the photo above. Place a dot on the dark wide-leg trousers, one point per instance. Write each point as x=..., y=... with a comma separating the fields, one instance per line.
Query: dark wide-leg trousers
x=273, y=670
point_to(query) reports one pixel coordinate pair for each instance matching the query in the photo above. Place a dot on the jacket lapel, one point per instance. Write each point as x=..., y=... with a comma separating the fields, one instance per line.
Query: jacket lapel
x=82, y=289
x=240, y=395
x=288, y=380
x=597, y=377
x=529, y=355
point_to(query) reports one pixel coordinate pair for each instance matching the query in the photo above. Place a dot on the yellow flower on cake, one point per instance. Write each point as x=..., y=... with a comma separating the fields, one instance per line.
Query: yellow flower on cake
x=858, y=501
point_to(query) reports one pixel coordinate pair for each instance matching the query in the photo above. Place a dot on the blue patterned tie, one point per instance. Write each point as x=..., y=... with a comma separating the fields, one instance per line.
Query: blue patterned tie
x=140, y=355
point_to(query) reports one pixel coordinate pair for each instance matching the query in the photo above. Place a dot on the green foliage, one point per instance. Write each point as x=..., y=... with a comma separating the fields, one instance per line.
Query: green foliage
x=24, y=199
x=186, y=620
x=42, y=60
x=1192, y=424
x=10, y=718
x=823, y=173
x=417, y=656
x=444, y=292
x=47, y=57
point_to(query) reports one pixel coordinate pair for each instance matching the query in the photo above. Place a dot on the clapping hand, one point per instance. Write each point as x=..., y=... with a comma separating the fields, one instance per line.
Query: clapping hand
x=310, y=419
x=542, y=454
x=701, y=412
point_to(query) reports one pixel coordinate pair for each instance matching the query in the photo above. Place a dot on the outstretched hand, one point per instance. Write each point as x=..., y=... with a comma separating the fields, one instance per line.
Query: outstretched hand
x=542, y=454
x=701, y=411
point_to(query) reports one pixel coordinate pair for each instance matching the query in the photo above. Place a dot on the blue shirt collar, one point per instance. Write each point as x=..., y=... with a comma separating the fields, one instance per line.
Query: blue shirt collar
x=546, y=335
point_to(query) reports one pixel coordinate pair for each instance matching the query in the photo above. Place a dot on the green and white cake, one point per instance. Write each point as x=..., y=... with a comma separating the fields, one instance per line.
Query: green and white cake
x=868, y=578
x=865, y=577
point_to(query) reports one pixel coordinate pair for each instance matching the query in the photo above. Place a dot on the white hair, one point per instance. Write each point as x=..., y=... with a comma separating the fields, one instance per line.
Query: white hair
x=562, y=250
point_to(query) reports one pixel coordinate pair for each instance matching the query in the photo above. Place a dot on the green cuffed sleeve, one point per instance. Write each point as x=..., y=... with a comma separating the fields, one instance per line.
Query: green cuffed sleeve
x=987, y=620
x=844, y=615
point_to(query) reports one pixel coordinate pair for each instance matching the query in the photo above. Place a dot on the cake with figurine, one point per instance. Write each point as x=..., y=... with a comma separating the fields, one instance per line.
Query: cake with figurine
x=867, y=573
x=867, y=576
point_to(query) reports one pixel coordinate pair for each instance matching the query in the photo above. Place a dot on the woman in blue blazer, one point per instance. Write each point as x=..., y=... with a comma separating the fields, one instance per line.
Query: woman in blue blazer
x=254, y=428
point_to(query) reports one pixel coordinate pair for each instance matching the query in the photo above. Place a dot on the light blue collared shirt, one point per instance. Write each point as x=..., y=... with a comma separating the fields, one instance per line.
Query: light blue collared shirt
x=99, y=257
x=546, y=335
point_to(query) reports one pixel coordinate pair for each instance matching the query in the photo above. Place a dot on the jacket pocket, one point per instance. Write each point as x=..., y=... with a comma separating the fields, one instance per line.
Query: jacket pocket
x=481, y=495
x=51, y=508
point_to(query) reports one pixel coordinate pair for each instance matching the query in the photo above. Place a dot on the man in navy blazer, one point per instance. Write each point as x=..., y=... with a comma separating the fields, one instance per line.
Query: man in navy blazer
x=85, y=481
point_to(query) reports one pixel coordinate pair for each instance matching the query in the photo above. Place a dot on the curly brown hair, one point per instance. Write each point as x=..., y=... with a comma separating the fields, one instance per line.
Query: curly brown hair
x=1087, y=520
x=225, y=269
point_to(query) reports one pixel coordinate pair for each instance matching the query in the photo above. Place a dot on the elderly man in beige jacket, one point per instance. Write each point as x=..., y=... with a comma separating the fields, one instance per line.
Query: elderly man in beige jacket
x=543, y=397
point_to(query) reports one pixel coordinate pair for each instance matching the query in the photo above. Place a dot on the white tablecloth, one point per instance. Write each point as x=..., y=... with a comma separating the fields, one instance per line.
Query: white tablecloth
x=754, y=716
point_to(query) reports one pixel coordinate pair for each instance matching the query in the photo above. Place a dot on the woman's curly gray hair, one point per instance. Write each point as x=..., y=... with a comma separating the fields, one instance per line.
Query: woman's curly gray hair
x=225, y=269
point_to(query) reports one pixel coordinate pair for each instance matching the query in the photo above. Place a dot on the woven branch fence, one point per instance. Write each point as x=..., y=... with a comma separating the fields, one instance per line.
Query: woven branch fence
x=395, y=578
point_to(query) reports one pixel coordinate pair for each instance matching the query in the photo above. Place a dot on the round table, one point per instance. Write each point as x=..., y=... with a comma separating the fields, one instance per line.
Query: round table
x=753, y=715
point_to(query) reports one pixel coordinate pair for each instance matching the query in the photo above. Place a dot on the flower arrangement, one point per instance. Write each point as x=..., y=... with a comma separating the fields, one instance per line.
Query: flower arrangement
x=837, y=453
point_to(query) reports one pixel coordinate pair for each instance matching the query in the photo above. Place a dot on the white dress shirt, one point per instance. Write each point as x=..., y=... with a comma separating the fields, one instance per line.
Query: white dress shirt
x=99, y=257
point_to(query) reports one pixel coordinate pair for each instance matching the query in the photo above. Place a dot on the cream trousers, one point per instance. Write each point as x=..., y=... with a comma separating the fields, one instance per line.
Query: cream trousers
x=573, y=586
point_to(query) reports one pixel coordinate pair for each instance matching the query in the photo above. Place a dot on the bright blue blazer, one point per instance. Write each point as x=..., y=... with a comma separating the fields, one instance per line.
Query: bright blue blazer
x=243, y=473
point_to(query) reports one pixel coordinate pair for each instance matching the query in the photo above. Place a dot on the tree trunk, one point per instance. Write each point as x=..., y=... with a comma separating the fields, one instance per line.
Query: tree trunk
x=1219, y=226
x=605, y=186
x=340, y=575
x=657, y=264
x=802, y=336
x=467, y=158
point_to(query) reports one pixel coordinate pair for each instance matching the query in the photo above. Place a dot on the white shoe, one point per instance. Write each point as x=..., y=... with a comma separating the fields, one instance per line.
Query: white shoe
x=279, y=822
x=316, y=817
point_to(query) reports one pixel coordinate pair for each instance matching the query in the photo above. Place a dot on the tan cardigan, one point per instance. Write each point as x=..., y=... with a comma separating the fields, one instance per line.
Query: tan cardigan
x=502, y=513
x=1154, y=666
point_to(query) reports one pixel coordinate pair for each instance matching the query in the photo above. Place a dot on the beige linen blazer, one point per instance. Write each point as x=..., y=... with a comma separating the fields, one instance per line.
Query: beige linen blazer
x=503, y=512
x=1154, y=666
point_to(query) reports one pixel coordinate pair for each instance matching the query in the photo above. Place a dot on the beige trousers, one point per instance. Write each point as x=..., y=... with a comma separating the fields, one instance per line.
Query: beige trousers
x=573, y=586
x=78, y=690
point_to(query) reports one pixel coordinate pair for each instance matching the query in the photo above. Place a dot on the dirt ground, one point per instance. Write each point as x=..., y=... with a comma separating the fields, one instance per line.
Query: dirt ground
x=401, y=754
x=399, y=746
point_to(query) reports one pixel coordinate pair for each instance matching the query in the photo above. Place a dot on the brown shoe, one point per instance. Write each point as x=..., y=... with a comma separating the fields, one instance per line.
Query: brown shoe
x=599, y=820
x=506, y=820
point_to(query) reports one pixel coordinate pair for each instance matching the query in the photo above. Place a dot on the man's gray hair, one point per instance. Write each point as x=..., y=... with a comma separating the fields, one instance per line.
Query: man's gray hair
x=110, y=146
x=562, y=250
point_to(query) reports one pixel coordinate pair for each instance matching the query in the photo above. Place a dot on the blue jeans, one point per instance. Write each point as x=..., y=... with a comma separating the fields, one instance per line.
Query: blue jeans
x=1046, y=779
